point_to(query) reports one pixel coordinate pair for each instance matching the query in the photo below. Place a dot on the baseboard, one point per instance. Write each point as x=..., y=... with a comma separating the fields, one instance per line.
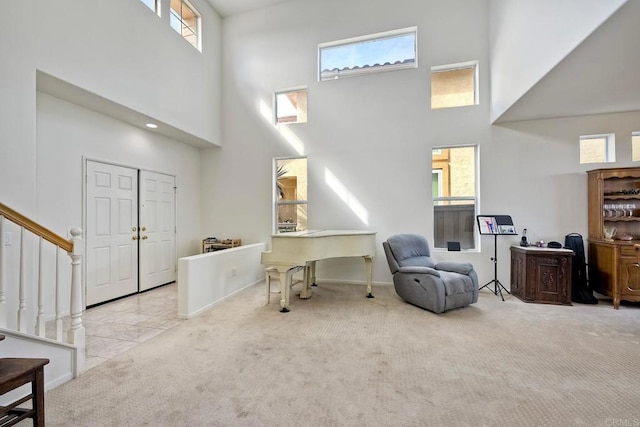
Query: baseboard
x=214, y=303
x=352, y=282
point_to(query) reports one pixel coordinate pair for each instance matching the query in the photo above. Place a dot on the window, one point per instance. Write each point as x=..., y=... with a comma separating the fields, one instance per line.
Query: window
x=290, y=177
x=598, y=148
x=635, y=146
x=153, y=5
x=454, y=85
x=291, y=106
x=391, y=50
x=185, y=19
x=454, y=178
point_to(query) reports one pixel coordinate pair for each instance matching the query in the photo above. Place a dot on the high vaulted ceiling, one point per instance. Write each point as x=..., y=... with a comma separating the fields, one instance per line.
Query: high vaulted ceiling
x=600, y=76
x=233, y=7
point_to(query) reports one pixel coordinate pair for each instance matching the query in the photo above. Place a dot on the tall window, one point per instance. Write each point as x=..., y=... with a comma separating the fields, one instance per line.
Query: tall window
x=291, y=106
x=454, y=85
x=454, y=181
x=290, y=178
x=185, y=19
x=391, y=50
x=598, y=148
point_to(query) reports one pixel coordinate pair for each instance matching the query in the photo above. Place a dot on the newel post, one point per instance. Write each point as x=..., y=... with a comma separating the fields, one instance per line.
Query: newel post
x=76, y=333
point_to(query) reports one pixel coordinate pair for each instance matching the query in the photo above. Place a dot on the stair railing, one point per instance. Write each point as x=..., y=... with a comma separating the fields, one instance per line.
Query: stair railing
x=75, y=333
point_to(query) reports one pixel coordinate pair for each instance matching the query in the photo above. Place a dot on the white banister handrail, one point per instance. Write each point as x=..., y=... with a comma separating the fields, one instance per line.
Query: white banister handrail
x=35, y=228
x=31, y=314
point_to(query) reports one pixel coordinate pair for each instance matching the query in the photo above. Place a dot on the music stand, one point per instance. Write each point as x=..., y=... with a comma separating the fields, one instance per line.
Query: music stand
x=496, y=225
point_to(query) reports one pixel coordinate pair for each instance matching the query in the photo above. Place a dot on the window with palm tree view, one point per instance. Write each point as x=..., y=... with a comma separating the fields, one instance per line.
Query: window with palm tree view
x=290, y=194
x=454, y=177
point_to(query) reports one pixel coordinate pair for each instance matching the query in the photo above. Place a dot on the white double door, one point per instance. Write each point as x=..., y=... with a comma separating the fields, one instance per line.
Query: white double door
x=130, y=231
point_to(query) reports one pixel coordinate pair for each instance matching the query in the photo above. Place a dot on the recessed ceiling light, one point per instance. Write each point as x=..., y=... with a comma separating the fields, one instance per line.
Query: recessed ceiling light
x=151, y=125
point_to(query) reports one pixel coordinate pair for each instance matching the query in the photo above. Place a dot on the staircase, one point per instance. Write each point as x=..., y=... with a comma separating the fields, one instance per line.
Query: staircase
x=41, y=295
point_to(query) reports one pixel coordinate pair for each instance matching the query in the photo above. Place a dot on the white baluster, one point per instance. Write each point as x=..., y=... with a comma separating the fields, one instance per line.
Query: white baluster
x=22, y=304
x=76, y=334
x=58, y=298
x=40, y=324
x=3, y=294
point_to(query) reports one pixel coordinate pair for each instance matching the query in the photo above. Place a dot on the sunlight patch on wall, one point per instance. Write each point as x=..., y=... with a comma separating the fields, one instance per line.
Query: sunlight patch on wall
x=346, y=196
x=292, y=139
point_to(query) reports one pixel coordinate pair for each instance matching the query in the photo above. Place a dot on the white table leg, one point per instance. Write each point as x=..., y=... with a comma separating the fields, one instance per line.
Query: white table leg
x=312, y=271
x=285, y=287
x=309, y=279
x=368, y=263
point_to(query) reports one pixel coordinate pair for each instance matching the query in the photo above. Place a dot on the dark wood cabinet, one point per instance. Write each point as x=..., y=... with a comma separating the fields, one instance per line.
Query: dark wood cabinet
x=614, y=205
x=541, y=275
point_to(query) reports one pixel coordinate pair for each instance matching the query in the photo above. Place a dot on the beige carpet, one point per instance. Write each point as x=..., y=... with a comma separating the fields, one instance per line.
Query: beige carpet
x=340, y=359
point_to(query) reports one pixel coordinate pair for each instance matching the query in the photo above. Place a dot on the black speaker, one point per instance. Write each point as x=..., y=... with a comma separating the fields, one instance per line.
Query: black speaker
x=453, y=246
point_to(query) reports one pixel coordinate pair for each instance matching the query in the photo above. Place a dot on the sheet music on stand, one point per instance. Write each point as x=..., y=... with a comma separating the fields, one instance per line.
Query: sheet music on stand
x=496, y=225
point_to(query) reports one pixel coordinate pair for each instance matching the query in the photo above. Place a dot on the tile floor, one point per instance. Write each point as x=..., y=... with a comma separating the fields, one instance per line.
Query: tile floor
x=118, y=326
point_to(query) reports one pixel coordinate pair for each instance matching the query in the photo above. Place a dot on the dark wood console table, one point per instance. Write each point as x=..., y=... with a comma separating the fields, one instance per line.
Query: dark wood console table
x=541, y=275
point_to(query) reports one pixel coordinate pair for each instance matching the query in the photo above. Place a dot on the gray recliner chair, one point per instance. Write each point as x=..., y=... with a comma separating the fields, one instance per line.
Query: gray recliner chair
x=420, y=281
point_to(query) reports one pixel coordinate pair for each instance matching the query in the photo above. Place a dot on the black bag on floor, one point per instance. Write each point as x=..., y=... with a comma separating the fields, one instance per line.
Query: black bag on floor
x=580, y=290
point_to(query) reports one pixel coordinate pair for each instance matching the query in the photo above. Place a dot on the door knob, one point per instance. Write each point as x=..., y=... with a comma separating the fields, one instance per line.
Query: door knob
x=143, y=228
x=134, y=237
x=145, y=237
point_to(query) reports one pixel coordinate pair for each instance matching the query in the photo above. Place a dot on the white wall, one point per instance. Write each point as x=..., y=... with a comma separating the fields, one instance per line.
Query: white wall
x=66, y=135
x=530, y=37
x=17, y=107
x=122, y=51
x=205, y=280
x=118, y=50
x=531, y=170
x=373, y=133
